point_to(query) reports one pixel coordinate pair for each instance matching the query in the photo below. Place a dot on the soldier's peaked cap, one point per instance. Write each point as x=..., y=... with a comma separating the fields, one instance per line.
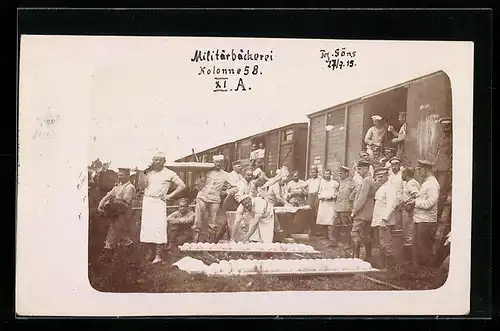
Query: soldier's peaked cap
x=362, y=163
x=425, y=163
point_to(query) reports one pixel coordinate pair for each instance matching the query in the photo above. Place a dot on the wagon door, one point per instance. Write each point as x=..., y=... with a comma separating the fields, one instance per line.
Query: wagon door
x=272, y=148
x=316, y=146
x=286, y=148
x=355, y=134
x=335, y=144
x=428, y=100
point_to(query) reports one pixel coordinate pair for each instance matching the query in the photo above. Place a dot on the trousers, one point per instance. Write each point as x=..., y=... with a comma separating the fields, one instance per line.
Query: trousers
x=423, y=243
x=118, y=228
x=211, y=209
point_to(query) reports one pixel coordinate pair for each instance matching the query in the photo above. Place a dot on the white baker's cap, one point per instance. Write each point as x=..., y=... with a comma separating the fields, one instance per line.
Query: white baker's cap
x=376, y=117
x=218, y=157
x=240, y=197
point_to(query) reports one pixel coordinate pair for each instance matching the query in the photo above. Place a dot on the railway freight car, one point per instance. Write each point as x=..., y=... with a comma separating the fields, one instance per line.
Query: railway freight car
x=284, y=146
x=336, y=135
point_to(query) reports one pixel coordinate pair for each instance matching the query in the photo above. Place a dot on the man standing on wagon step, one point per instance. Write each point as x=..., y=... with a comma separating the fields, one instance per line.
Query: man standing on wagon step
x=362, y=212
x=154, y=205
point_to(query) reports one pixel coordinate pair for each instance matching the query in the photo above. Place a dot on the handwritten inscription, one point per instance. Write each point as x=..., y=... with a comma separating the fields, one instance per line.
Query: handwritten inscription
x=229, y=68
x=339, y=58
x=44, y=127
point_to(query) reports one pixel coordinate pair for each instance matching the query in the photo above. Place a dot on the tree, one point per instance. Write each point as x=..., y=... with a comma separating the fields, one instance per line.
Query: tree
x=95, y=169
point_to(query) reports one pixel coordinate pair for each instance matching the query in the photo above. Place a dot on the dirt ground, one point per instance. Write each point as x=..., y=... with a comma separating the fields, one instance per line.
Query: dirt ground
x=128, y=271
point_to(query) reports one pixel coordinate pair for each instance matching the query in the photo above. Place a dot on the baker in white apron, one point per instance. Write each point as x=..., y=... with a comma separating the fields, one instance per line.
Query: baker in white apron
x=327, y=194
x=262, y=214
x=154, y=205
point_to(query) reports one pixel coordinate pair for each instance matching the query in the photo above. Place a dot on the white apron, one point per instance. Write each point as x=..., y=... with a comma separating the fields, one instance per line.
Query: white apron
x=265, y=230
x=326, y=212
x=153, y=221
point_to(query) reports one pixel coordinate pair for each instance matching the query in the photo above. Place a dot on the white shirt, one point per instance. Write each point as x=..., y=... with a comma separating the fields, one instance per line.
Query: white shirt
x=159, y=182
x=328, y=189
x=409, y=188
x=262, y=213
x=313, y=185
x=426, y=202
x=397, y=182
x=385, y=205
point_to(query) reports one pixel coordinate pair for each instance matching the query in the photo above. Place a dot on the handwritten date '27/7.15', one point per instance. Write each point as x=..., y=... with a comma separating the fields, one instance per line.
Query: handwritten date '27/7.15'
x=340, y=58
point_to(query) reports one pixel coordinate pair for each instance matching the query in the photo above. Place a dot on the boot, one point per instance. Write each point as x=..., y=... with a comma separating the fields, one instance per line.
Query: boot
x=220, y=234
x=172, y=240
x=330, y=235
x=356, y=249
x=348, y=237
x=337, y=235
x=212, y=234
x=383, y=262
x=368, y=252
x=196, y=235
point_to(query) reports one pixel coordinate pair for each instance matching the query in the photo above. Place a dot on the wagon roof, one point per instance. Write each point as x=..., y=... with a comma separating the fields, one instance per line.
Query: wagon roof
x=353, y=101
x=305, y=124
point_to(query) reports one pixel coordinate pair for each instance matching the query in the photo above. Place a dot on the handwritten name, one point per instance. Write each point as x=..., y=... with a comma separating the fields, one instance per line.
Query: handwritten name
x=339, y=58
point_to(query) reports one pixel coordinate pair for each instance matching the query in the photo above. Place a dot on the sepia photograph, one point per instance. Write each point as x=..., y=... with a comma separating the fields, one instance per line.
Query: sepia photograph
x=253, y=166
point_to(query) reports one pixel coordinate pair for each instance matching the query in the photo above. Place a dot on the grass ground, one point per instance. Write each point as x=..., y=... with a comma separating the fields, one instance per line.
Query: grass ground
x=129, y=272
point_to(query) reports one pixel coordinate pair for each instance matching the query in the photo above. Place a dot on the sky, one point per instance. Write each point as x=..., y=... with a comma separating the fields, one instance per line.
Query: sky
x=144, y=93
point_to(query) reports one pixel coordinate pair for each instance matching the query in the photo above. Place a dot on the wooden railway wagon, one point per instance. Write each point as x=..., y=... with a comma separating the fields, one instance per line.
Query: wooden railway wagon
x=425, y=100
x=285, y=146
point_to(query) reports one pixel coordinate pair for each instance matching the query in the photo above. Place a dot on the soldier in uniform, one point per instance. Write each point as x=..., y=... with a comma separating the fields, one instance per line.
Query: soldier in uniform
x=377, y=156
x=444, y=162
x=362, y=212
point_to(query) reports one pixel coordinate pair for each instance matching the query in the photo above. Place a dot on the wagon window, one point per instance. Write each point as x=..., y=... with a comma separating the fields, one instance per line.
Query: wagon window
x=288, y=135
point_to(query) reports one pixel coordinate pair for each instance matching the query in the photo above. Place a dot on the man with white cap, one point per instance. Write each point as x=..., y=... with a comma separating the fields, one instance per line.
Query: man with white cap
x=399, y=136
x=230, y=203
x=444, y=162
x=154, y=205
x=424, y=214
x=261, y=211
x=384, y=218
x=209, y=198
x=375, y=134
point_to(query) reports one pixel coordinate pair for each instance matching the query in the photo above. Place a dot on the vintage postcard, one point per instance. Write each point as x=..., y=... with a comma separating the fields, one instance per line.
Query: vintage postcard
x=191, y=176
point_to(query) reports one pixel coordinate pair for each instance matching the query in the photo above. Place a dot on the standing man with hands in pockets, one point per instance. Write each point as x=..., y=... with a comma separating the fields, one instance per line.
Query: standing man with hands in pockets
x=154, y=205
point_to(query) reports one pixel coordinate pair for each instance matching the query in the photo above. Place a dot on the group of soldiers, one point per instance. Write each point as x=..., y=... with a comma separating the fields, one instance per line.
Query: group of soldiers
x=382, y=191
